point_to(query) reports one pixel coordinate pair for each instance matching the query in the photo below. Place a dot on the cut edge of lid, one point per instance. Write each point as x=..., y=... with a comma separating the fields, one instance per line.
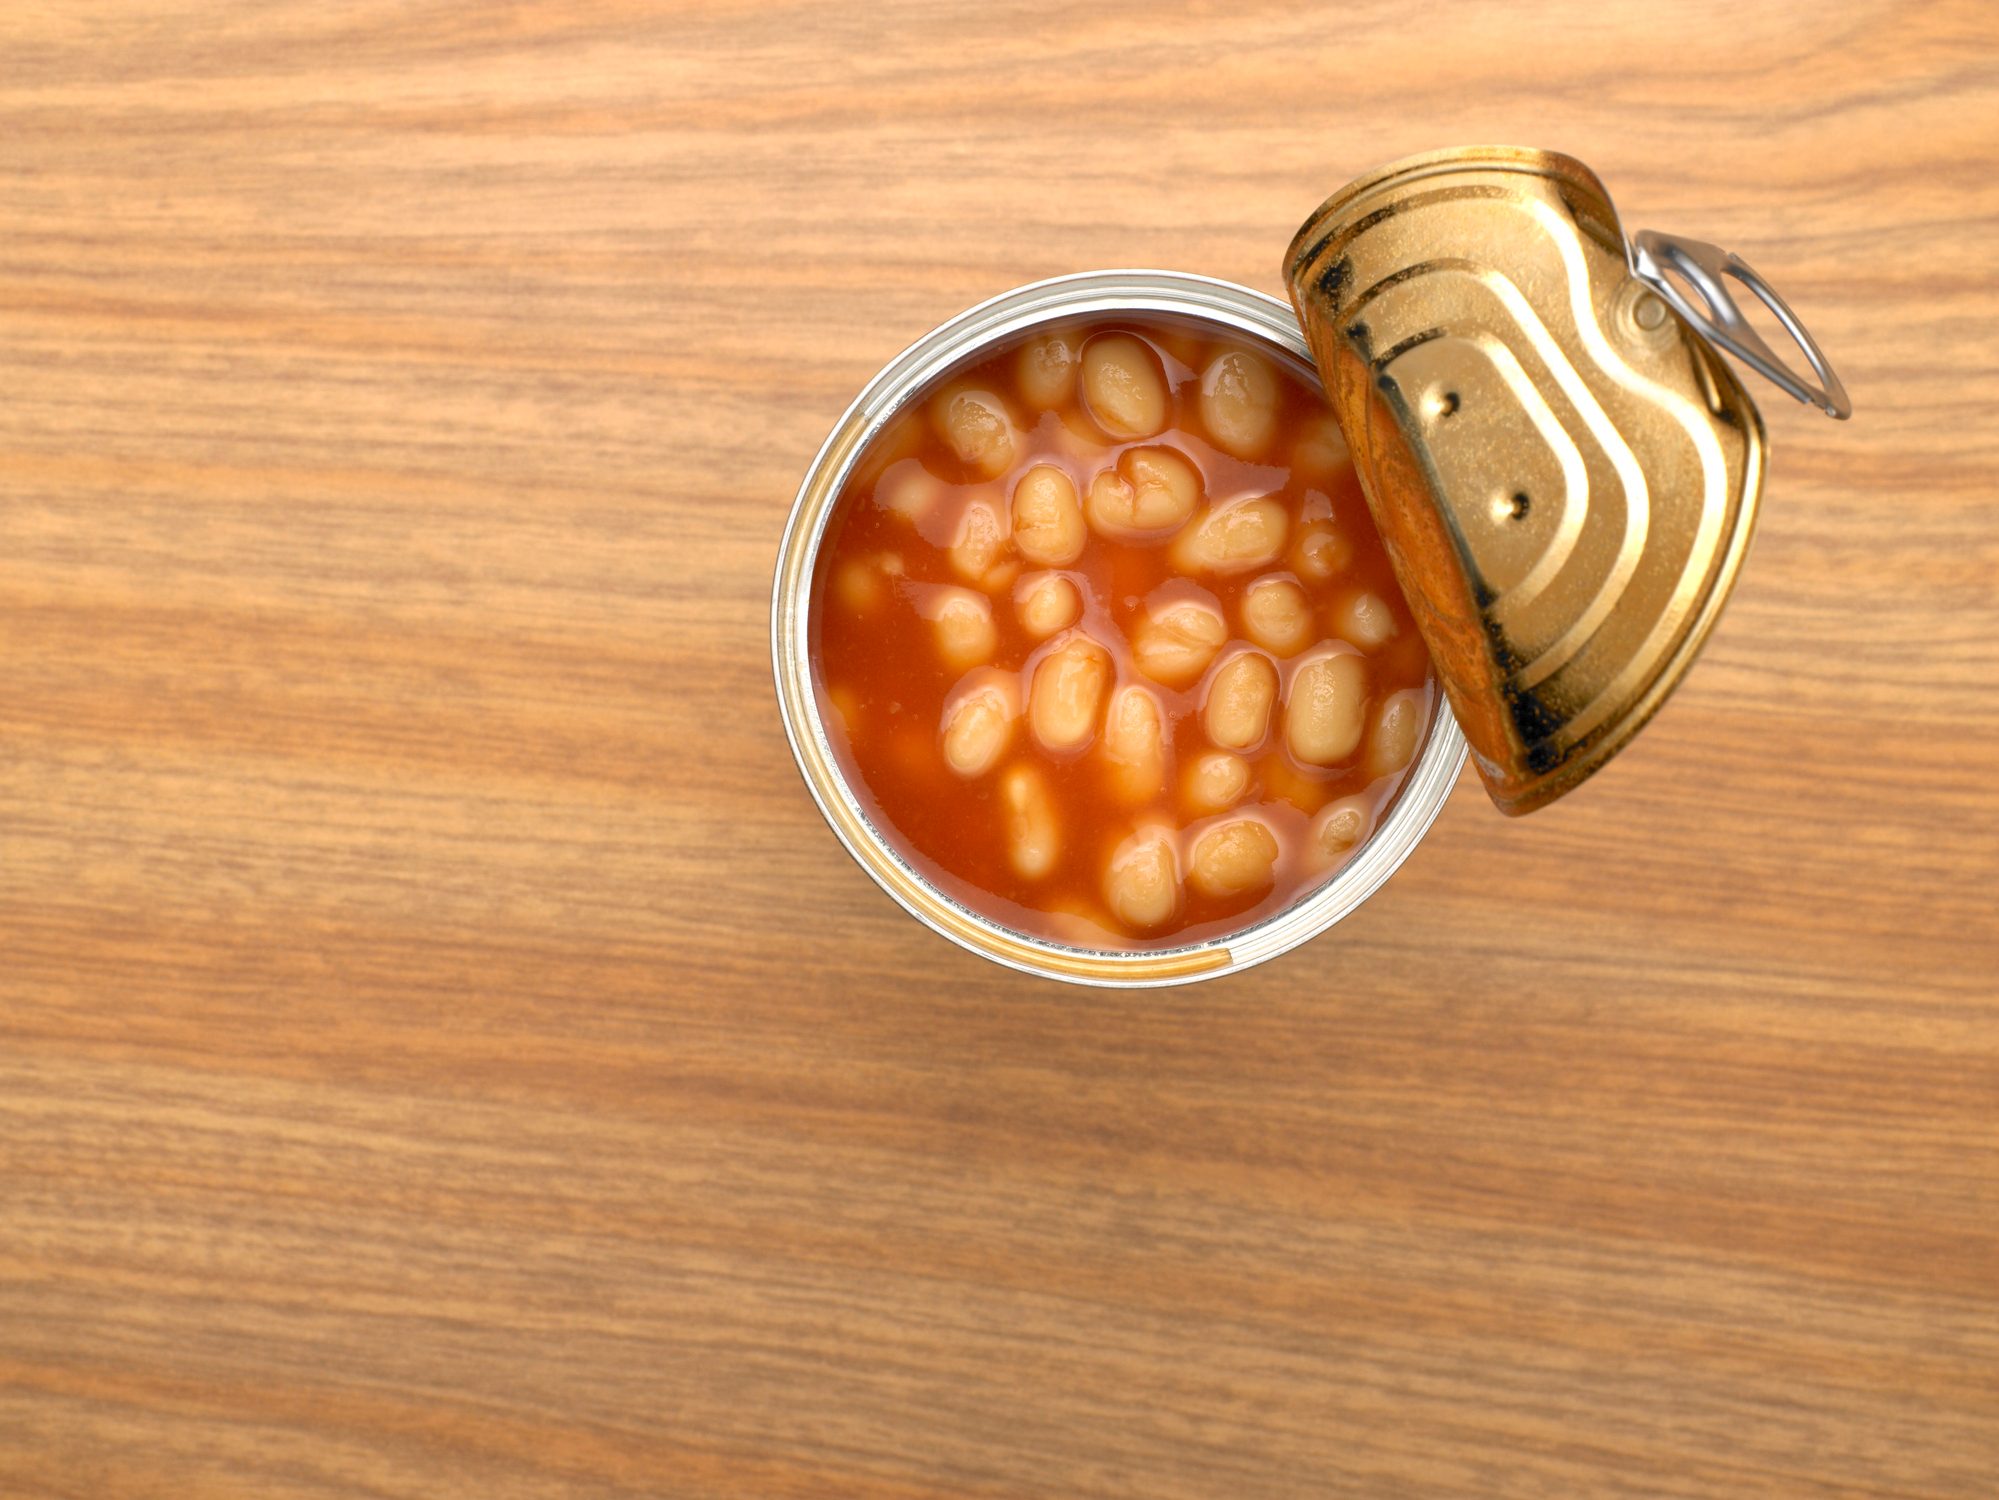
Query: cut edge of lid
x=1314, y=237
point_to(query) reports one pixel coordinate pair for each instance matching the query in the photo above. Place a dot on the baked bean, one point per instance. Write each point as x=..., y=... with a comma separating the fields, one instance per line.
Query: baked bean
x=1239, y=403
x=1281, y=779
x=1045, y=370
x=1365, y=620
x=979, y=552
x=858, y=586
x=1047, y=602
x=1216, y=781
x=1277, y=616
x=1233, y=858
x=1093, y=592
x=1233, y=538
x=908, y=489
x=978, y=721
x=1080, y=924
x=862, y=582
x=1135, y=744
x=976, y=424
x=1322, y=715
x=1068, y=692
x=1033, y=837
x=1077, y=438
x=1142, y=881
x=1175, y=641
x=1398, y=721
x=1047, y=520
x=962, y=622
x=901, y=437
x=1150, y=490
x=1182, y=344
x=847, y=703
x=1320, y=551
x=1340, y=827
x=1123, y=386
x=1321, y=451
x=1237, y=713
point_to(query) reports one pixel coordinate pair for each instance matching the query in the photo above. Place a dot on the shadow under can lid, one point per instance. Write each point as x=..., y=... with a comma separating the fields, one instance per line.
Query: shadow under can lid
x=1564, y=468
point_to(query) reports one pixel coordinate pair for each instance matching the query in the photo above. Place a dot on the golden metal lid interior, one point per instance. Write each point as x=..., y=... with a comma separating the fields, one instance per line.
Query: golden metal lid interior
x=1565, y=472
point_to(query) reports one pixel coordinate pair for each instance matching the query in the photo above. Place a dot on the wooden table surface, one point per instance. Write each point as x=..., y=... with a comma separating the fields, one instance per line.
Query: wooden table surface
x=442, y=1050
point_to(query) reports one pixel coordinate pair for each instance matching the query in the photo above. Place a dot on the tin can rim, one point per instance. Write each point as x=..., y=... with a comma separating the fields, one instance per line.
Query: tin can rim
x=1083, y=294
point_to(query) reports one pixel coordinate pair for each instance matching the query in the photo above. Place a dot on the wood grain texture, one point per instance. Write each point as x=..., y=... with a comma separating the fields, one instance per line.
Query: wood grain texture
x=443, y=1052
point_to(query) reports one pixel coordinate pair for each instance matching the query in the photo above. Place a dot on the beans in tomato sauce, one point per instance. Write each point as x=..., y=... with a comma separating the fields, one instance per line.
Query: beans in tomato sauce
x=1106, y=642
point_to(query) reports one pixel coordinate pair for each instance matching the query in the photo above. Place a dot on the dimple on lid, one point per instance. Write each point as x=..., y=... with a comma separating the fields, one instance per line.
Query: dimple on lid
x=1563, y=467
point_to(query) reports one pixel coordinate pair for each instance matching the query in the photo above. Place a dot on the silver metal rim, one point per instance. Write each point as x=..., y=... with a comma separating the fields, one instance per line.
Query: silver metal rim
x=1422, y=795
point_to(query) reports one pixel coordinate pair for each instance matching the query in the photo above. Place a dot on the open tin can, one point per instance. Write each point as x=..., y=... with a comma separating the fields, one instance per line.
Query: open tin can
x=1563, y=469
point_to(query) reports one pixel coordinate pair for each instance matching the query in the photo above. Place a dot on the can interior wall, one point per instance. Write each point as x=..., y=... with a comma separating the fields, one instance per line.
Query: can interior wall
x=1092, y=294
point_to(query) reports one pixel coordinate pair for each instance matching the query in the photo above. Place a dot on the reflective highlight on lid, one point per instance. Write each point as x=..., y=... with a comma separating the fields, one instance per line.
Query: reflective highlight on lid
x=1565, y=473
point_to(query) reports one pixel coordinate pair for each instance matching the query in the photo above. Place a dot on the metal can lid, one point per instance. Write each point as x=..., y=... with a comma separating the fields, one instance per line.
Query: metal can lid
x=1565, y=470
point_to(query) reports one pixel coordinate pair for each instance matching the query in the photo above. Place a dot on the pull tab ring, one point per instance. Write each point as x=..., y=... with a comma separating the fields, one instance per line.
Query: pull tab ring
x=1721, y=321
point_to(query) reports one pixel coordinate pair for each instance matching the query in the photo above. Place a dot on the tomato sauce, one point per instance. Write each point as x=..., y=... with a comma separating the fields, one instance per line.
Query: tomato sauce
x=922, y=598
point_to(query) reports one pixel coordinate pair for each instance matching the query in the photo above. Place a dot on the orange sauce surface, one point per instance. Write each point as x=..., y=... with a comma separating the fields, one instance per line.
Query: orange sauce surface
x=902, y=545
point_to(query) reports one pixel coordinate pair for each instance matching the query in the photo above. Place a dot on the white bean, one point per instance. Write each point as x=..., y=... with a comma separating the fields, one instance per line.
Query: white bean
x=1047, y=602
x=1322, y=716
x=897, y=439
x=1365, y=620
x=977, y=426
x=1045, y=370
x=1321, y=551
x=1033, y=835
x=963, y=624
x=1175, y=641
x=1237, y=713
x=1142, y=881
x=1239, y=403
x=1322, y=450
x=1077, y=439
x=1398, y=722
x=1150, y=490
x=1233, y=538
x=1135, y=744
x=847, y=703
x=978, y=722
x=1183, y=344
x=979, y=552
x=1340, y=827
x=1216, y=781
x=1067, y=693
x=1123, y=386
x=1081, y=924
x=1277, y=616
x=908, y=489
x=858, y=586
x=1232, y=858
x=1047, y=520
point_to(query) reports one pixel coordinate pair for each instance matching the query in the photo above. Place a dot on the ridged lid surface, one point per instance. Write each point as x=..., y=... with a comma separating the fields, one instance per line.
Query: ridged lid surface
x=1565, y=472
